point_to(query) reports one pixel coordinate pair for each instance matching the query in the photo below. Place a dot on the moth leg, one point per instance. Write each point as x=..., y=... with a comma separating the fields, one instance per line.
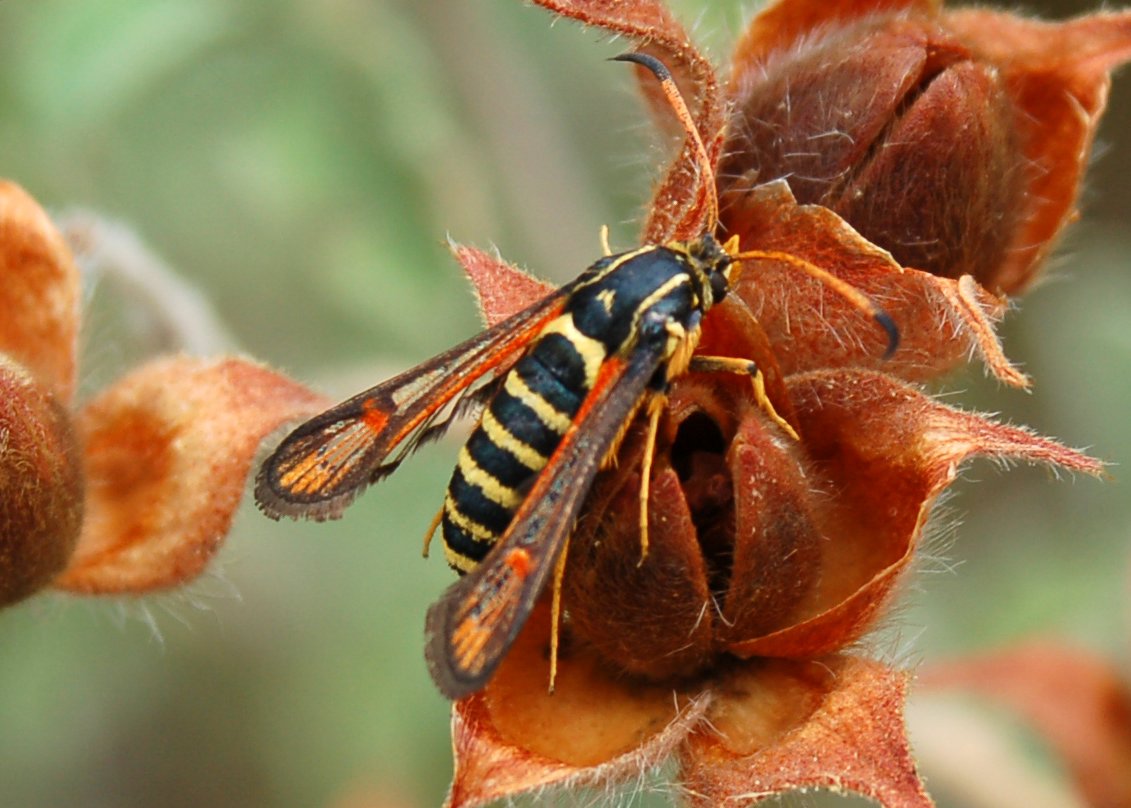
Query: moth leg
x=655, y=408
x=854, y=296
x=432, y=529
x=729, y=364
x=556, y=614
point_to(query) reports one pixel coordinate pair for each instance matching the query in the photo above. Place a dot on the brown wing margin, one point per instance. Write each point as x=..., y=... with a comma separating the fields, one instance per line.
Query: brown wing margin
x=320, y=467
x=471, y=628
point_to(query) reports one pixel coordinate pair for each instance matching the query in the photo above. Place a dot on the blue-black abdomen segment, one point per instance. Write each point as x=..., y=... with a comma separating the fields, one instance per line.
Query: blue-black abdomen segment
x=558, y=359
x=476, y=505
x=528, y=416
x=528, y=425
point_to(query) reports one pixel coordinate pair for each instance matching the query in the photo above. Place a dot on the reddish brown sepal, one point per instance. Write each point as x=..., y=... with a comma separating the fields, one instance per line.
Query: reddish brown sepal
x=501, y=289
x=834, y=723
x=940, y=320
x=679, y=208
x=39, y=294
x=166, y=452
x=1057, y=75
x=595, y=729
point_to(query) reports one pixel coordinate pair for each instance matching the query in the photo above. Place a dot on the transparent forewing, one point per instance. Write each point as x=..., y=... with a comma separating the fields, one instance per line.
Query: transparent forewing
x=318, y=469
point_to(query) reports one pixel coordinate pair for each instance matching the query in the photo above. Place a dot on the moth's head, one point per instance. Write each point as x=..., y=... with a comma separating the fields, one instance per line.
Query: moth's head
x=711, y=263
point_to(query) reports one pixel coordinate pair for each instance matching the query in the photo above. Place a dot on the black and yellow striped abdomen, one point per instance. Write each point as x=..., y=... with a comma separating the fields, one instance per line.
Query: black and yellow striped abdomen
x=520, y=428
x=525, y=420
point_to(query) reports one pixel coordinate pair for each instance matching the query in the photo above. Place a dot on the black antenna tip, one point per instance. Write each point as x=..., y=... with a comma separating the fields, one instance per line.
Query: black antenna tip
x=888, y=325
x=644, y=60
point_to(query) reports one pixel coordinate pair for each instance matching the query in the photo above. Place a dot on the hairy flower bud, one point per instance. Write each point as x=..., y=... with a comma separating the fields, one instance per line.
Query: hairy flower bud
x=733, y=545
x=761, y=544
x=41, y=499
x=891, y=123
x=957, y=140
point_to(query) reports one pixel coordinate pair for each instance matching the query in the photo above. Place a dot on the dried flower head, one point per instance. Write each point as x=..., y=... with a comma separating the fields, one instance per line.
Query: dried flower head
x=135, y=489
x=765, y=554
x=889, y=120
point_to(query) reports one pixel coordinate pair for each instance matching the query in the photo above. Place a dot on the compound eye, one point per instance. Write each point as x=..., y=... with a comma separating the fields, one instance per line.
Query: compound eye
x=719, y=286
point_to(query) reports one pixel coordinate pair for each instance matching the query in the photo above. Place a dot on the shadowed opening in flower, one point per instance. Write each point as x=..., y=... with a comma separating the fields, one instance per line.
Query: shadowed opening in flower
x=698, y=456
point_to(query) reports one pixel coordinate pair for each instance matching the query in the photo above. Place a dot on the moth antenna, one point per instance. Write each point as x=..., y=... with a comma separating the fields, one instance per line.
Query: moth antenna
x=846, y=290
x=707, y=170
x=683, y=114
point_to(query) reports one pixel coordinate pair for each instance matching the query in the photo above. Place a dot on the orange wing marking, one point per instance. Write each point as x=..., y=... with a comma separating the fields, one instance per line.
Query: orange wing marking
x=322, y=468
x=519, y=562
x=373, y=416
x=476, y=627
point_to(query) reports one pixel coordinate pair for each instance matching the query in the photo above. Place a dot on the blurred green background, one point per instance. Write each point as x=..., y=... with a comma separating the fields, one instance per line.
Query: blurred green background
x=300, y=162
